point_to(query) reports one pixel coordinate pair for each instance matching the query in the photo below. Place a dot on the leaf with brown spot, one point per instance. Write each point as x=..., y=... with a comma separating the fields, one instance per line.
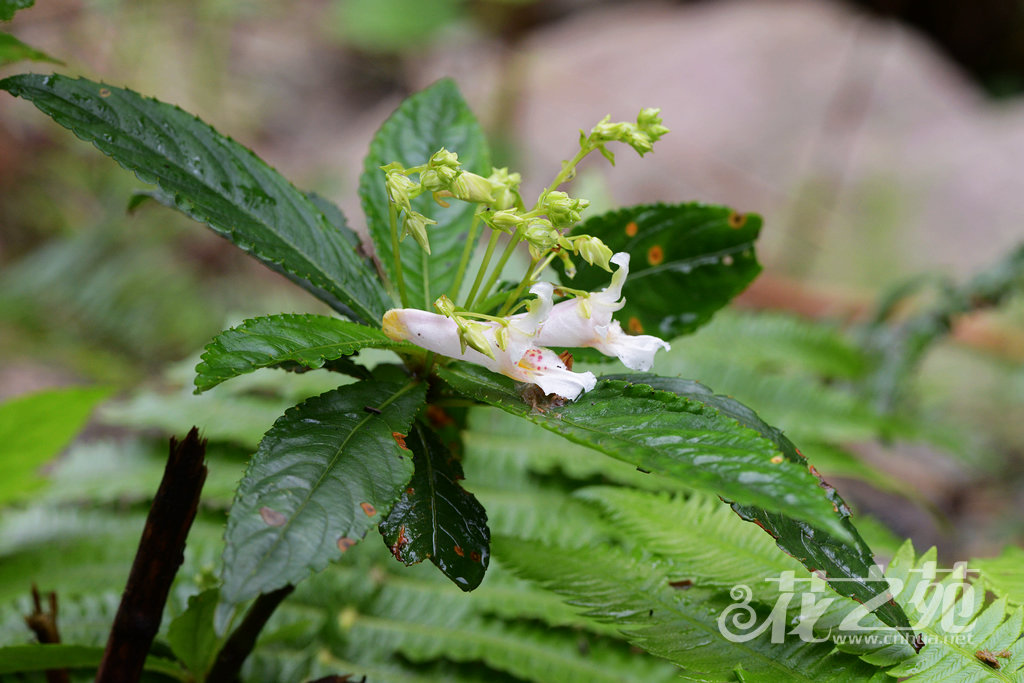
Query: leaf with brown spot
x=436, y=518
x=323, y=467
x=688, y=260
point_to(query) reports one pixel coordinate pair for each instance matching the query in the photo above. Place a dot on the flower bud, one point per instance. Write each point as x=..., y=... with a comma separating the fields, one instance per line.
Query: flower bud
x=473, y=335
x=593, y=251
x=505, y=188
x=541, y=235
x=400, y=189
x=437, y=179
x=415, y=224
x=562, y=210
x=501, y=337
x=445, y=306
x=444, y=158
x=649, y=122
x=506, y=220
x=470, y=187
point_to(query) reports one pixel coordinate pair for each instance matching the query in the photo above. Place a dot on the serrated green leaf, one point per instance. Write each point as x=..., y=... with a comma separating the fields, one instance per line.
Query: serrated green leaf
x=36, y=428
x=13, y=50
x=686, y=437
x=321, y=474
x=24, y=658
x=844, y=557
x=9, y=7
x=433, y=118
x=308, y=340
x=191, y=634
x=687, y=261
x=216, y=181
x=436, y=518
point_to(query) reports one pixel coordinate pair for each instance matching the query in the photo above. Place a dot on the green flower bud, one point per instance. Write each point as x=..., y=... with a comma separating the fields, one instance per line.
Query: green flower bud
x=401, y=190
x=474, y=337
x=445, y=306
x=541, y=235
x=562, y=210
x=415, y=224
x=649, y=122
x=505, y=188
x=506, y=220
x=567, y=265
x=470, y=187
x=593, y=251
x=444, y=158
x=437, y=179
x=501, y=337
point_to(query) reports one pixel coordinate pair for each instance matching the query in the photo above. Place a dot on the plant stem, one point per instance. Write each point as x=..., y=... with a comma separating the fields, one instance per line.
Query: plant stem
x=467, y=251
x=160, y=553
x=568, y=170
x=491, y=244
x=241, y=641
x=518, y=291
x=393, y=215
x=496, y=273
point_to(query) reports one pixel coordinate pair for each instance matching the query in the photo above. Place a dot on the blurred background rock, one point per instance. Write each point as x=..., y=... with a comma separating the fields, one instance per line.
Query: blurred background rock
x=878, y=138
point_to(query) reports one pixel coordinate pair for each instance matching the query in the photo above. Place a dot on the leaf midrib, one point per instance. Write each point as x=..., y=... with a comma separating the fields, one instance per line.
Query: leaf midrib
x=326, y=278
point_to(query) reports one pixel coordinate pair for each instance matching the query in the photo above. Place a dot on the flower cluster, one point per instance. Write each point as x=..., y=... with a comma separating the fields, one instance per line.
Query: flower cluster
x=487, y=329
x=516, y=346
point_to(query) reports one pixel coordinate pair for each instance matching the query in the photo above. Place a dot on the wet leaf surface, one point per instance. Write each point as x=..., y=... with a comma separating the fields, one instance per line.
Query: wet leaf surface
x=322, y=477
x=311, y=341
x=436, y=518
x=687, y=261
x=684, y=437
x=216, y=181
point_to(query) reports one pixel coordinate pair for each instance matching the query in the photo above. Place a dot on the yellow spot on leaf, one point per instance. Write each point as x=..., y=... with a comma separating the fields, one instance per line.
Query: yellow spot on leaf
x=737, y=220
x=631, y=229
x=655, y=255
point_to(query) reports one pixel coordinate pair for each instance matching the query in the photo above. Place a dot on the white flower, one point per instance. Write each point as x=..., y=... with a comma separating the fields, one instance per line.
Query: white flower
x=520, y=358
x=587, y=321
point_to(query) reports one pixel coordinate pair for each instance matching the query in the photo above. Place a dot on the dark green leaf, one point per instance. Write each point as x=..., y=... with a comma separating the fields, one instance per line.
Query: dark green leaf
x=13, y=50
x=321, y=475
x=687, y=261
x=847, y=560
x=216, y=181
x=434, y=118
x=308, y=340
x=438, y=519
x=9, y=7
x=37, y=427
x=688, y=438
x=191, y=635
x=24, y=658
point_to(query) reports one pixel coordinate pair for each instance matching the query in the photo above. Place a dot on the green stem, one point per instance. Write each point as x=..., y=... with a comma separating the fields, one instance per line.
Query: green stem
x=568, y=170
x=467, y=251
x=393, y=215
x=491, y=244
x=518, y=291
x=500, y=266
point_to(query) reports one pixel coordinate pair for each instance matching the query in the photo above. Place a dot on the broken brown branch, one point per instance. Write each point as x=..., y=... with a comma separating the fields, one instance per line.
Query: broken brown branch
x=160, y=553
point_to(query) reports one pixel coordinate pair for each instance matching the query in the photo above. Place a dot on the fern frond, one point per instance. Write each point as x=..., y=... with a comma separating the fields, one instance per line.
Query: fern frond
x=957, y=634
x=540, y=655
x=1004, y=575
x=697, y=538
x=780, y=342
x=680, y=625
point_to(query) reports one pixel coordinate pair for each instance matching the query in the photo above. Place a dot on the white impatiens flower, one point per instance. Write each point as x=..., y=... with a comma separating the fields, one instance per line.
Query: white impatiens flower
x=517, y=356
x=586, y=321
